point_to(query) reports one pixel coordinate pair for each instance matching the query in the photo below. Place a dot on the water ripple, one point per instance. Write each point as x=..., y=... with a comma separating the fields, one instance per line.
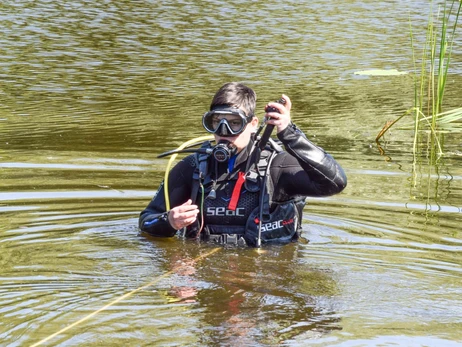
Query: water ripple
x=46, y=195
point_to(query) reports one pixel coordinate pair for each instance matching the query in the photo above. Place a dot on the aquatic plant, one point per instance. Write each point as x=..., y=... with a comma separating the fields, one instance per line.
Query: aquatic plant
x=429, y=86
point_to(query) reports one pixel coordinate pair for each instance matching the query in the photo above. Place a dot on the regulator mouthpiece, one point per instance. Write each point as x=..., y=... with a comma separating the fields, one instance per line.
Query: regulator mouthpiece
x=223, y=151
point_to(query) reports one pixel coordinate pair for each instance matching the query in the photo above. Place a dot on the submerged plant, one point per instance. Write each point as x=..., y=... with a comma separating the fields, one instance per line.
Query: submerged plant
x=429, y=86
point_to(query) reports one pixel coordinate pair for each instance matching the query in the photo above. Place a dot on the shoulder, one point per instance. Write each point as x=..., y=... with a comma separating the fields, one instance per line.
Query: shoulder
x=190, y=160
x=185, y=166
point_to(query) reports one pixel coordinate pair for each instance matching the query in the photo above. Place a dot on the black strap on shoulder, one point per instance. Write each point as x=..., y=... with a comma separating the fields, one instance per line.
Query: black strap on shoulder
x=200, y=171
x=257, y=163
x=258, y=168
x=267, y=187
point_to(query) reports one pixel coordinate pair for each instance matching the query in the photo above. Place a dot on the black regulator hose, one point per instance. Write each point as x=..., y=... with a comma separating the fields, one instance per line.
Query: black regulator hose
x=187, y=150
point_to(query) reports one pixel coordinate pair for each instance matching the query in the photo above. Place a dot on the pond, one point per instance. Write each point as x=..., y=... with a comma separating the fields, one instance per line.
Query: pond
x=91, y=93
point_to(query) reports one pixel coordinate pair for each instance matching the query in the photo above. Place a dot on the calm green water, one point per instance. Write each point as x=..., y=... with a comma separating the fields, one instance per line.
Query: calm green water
x=92, y=91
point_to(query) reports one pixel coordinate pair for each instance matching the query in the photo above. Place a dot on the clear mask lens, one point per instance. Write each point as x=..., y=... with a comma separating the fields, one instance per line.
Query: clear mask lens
x=225, y=122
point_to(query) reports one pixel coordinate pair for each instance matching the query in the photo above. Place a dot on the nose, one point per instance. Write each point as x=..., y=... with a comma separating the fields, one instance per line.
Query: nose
x=222, y=130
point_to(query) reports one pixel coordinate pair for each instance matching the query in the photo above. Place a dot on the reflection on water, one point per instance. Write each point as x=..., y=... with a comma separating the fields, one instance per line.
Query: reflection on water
x=241, y=291
x=91, y=92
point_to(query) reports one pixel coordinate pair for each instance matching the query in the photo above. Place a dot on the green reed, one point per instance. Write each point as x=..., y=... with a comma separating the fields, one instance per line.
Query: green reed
x=430, y=83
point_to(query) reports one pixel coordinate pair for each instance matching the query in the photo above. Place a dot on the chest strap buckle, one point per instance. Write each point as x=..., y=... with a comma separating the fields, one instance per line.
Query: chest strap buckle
x=228, y=239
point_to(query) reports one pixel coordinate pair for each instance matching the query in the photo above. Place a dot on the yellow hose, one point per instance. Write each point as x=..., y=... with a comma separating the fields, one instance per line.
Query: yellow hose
x=173, y=157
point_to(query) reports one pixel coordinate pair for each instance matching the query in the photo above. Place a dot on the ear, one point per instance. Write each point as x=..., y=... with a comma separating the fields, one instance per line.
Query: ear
x=254, y=123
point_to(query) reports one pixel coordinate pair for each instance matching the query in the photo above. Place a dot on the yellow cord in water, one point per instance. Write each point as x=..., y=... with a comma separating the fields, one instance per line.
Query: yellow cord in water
x=173, y=157
x=120, y=299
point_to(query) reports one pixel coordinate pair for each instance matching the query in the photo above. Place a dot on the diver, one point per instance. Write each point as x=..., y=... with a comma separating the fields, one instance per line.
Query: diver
x=246, y=189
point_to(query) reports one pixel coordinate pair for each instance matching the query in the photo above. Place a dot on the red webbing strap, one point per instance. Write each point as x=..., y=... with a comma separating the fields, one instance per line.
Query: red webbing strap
x=236, y=192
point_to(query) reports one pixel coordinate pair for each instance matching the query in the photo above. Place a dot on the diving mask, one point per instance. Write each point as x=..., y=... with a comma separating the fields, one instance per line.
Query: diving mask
x=225, y=121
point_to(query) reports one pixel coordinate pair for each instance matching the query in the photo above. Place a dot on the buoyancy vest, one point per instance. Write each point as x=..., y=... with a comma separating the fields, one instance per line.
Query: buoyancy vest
x=252, y=215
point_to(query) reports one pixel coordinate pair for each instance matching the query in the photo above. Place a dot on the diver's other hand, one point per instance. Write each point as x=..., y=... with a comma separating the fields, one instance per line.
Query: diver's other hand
x=183, y=215
x=281, y=119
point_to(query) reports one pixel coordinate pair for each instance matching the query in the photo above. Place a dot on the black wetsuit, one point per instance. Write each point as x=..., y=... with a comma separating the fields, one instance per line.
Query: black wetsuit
x=302, y=170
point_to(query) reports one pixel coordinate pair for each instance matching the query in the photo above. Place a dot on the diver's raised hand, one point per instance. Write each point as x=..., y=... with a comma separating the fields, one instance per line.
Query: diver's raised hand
x=281, y=118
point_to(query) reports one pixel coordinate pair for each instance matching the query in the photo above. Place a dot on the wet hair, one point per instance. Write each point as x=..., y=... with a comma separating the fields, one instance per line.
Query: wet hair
x=238, y=95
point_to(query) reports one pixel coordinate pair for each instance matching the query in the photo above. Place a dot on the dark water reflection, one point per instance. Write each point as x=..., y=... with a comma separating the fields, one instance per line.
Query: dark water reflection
x=92, y=91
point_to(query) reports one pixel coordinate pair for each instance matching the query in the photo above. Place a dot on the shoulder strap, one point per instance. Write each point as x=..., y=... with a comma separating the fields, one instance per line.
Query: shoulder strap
x=258, y=162
x=200, y=171
x=273, y=148
x=267, y=186
x=257, y=175
x=275, y=145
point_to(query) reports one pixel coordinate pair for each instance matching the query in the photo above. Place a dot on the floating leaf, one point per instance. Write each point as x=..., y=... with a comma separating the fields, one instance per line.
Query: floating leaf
x=380, y=72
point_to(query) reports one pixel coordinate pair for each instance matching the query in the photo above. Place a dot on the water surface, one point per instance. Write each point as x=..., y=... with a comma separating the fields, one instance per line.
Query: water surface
x=92, y=91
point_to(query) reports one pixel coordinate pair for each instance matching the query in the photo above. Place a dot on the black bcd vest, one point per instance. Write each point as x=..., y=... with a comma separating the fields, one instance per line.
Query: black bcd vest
x=255, y=216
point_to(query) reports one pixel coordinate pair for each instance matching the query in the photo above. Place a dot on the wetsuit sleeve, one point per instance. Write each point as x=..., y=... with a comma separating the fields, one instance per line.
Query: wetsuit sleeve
x=305, y=169
x=154, y=218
